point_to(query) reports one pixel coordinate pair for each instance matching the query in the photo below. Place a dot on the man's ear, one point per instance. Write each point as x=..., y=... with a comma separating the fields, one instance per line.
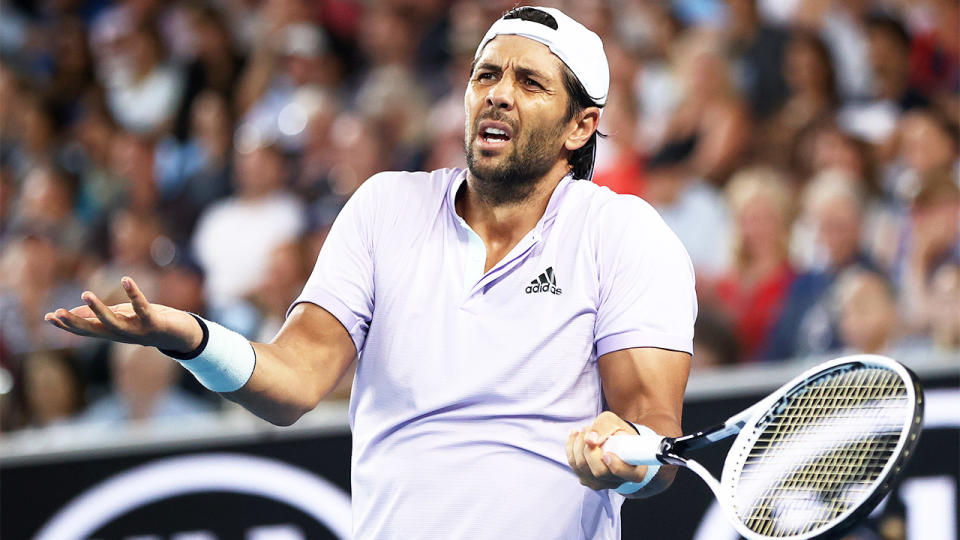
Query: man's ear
x=586, y=125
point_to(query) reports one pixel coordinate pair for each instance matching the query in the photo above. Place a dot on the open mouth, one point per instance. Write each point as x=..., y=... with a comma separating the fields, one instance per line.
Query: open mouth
x=494, y=133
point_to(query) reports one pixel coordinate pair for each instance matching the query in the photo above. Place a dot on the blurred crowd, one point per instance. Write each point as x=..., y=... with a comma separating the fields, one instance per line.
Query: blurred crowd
x=805, y=152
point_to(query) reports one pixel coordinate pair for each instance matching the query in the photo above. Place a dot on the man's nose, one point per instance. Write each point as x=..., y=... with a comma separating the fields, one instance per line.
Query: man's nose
x=500, y=95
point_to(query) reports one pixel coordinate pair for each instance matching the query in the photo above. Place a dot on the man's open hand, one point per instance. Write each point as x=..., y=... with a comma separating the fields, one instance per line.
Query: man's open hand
x=137, y=321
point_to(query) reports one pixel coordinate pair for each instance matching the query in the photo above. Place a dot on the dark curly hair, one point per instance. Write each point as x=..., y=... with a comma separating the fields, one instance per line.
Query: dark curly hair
x=582, y=158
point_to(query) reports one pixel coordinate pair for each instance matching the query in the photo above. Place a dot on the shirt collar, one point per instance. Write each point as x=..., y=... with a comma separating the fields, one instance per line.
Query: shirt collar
x=553, y=206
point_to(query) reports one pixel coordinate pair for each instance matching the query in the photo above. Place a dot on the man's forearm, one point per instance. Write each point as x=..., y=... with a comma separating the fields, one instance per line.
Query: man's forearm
x=298, y=368
x=286, y=385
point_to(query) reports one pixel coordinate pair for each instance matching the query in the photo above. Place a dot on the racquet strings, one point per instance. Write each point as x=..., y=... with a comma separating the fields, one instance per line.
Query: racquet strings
x=820, y=450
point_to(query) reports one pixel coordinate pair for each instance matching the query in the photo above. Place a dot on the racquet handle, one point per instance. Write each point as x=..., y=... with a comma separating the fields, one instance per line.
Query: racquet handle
x=635, y=449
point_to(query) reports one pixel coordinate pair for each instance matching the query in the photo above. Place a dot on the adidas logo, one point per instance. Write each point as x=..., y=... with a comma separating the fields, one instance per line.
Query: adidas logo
x=547, y=282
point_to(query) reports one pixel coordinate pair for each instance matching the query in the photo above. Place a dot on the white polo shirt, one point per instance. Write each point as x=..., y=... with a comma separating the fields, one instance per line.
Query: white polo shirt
x=468, y=383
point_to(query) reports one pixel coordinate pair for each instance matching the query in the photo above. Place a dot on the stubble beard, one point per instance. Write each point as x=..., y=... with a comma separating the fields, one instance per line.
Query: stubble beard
x=515, y=177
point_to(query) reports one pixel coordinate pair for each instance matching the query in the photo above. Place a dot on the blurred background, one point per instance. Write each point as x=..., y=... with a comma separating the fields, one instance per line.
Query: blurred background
x=805, y=151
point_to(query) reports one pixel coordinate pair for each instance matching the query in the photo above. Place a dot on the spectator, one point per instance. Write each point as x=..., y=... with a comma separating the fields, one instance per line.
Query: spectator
x=619, y=166
x=807, y=325
x=395, y=104
x=759, y=49
x=287, y=272
x=824, y=146
x=925, y=144
x=241, y=230
x=714, y=342
x=843, y=26
x=753, y=292
x=359, y=152
x=132, y=162
x=31, y=119
x=35, y=281
x=812, y=96
x=694, y=210
x=711, y=118
x=388, y=36
x=312, y=172
x=144, y=94
x=656, y=85
x=468, y=23
x=181, y=286
x=46, y=204
x=935, y=57
x=144, y=388
x=867, y=309
x=890, y=59
x=892, y=93
x=53, y=389
x=72, y=70
x=285, y=63
x=133, y=238
x=194, y=173
x=213, y=64
x=101, y=190
x=934, y=241
x=945, y=308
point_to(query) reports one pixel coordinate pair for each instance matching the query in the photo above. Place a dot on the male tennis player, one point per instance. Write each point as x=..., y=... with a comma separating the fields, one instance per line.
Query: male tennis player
x=496, y=313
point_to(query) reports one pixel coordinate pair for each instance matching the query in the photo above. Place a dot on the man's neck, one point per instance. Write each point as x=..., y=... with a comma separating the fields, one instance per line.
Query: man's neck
x=496, y=220
x=502, y=226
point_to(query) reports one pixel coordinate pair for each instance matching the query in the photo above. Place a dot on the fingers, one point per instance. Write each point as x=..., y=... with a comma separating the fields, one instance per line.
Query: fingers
x=65, y=320
x=96, y=319
x=101, y=311
x=140, y=304
x=587, y=463
x=593, y=455
x=52, y=319
x=83, y=311
x=606, y=425
x=595, y=468
x=623, y=470
x=574, y=450
x=579, y=461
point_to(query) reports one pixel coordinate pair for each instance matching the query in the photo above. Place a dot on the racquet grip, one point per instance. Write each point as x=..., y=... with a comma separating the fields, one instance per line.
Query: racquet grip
x=635, y=449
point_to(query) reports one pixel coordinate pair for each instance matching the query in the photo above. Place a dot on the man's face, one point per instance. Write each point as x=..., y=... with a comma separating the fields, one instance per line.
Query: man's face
x=516, y=121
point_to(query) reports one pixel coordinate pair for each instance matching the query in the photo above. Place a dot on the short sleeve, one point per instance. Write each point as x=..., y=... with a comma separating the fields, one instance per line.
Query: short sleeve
x=342, y=279
x=647, y=295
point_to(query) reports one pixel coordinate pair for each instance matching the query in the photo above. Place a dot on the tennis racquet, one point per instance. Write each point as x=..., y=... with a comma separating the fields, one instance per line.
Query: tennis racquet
x=809, y=459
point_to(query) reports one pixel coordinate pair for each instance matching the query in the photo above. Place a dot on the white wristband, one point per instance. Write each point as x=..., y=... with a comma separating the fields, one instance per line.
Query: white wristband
x=223, y=362
x=628, y=488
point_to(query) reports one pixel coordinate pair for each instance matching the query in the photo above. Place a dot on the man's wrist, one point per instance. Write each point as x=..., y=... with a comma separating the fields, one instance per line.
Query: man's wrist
x=629, y=488
x=223, y=362
x=196, y=349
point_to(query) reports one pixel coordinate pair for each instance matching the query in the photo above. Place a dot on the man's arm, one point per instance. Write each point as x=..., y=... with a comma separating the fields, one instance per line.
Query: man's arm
x=300, y=366
x=641, y=385
x=291, y=375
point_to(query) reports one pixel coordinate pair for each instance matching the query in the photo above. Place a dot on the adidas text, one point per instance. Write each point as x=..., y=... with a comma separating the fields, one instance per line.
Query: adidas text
x=545, y=283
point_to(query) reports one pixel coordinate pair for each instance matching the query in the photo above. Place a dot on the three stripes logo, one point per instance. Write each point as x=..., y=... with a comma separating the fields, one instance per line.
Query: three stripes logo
x=546, y=282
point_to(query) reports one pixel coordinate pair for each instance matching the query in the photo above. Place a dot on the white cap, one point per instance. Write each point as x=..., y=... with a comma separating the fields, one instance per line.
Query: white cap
x=578, y=47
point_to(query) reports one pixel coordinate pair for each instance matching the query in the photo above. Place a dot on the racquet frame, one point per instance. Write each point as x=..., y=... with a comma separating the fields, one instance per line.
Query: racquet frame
x=639, y=450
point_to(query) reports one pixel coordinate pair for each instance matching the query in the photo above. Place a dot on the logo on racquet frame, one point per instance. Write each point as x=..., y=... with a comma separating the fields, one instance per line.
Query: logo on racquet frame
x=545, y=283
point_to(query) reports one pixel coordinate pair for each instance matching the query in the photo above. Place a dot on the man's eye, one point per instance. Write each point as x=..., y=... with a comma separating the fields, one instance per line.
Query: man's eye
x=485, y=76
x=534, y=83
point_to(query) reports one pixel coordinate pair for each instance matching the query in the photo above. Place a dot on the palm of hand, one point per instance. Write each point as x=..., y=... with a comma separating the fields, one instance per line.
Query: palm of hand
x=137, y=321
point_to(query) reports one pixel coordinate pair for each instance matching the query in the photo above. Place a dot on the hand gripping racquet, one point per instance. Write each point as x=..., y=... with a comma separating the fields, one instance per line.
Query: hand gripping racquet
x=813, y=457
